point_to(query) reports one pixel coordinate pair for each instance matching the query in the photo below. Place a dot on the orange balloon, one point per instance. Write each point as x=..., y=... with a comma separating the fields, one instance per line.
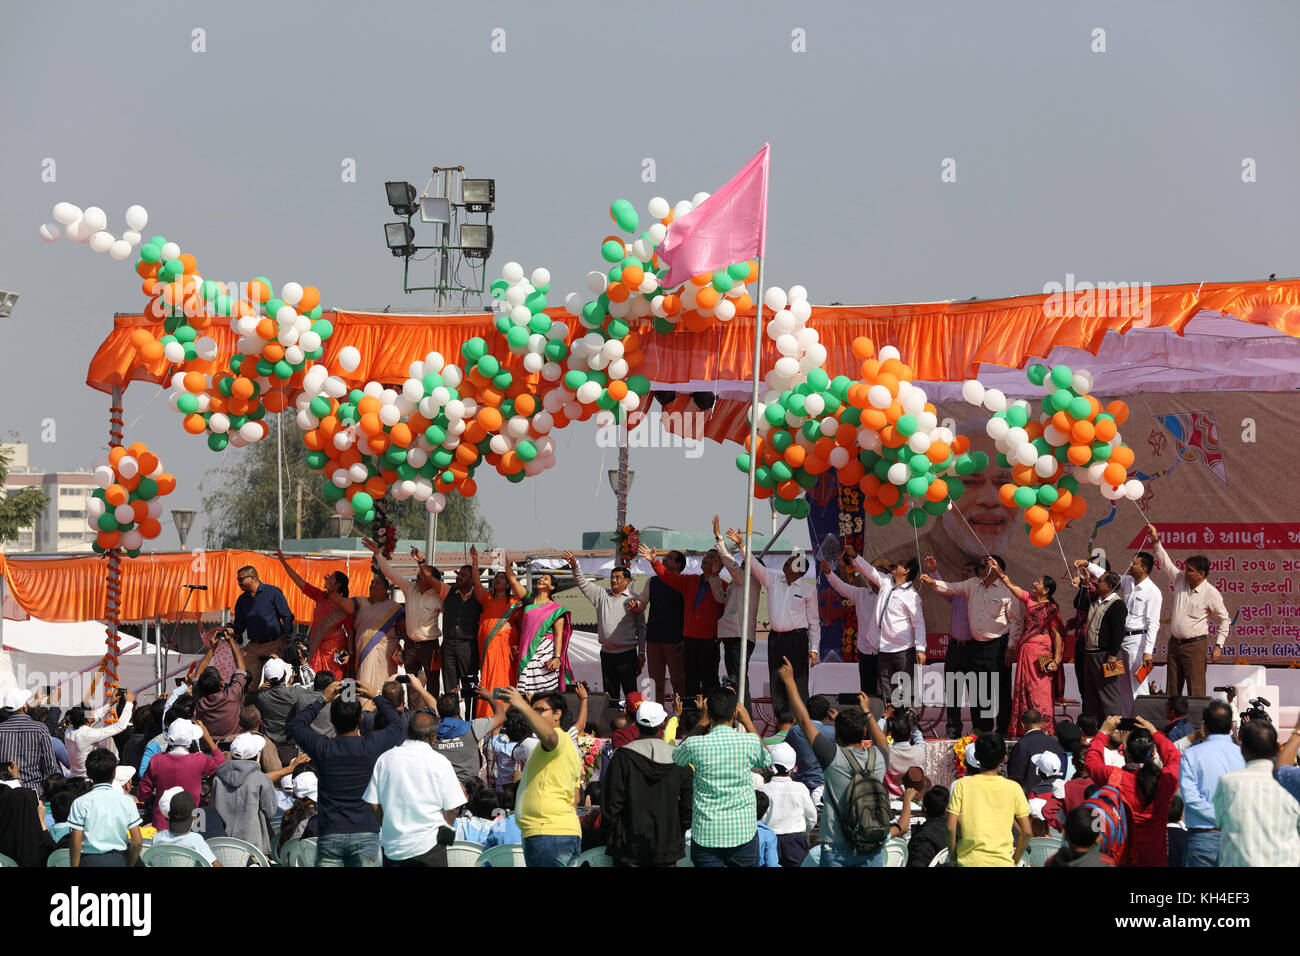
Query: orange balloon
x=706, y=298
x=148, y=462
x=140, y=509
x=115, y=495
x=1119, y=410
x=938, y=451
x=870, y=369
x=851, y=473
x=1024, y=474
x=275, y=400
x=376, y=486
x=863, y=348
x=744, y=303
x=893, y=413
x=370, y=424
x=618, y=389
x=702, y=279
x=795, y=455
x=937, y=491
x=489, y=418
x=1115, y=474
x=401, y=435
x=273, y=351
x=468, y=487
x=242, y=388
x=310, y=299
x=632, y=276
x=874, y=419
x=525, y=404
x=108, y=539
x=1064, y=499
x=166, y=483
x=1122, y=455
x=314, y=440
x=846, y=435
x=116, y=454
x=617, y=292
x=194, y=424
x=474, y=432
x=889, y=381
x=1081, y=433
x=869, y=485
x=1060, y=522
x=490, y=396
x=1105, y=430
x=1042, y=535
x=1036, y=515
x=789, y=490
x=266, y=329
x=888, y=495
x=259, y=291
x=1077, y=508
x=1007, y=495
x=960, y=445
x=672, y=303
x=1079, y=454
x=150, y=527
x=130, y=484
x=816, y=465
x=194, y=382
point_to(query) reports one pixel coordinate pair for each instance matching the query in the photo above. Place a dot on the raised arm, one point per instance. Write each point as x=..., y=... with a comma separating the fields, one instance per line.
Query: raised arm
x=480, y=591
x=441, y=588
x=785, y=674
x=385, y=567
x=516, y=588
x=838, y=584
x=864, y=567
x=589, y=588
x=1163, y=561
x=548, y=735
x=294, y=576
x=581, y=721
x=1018, y=592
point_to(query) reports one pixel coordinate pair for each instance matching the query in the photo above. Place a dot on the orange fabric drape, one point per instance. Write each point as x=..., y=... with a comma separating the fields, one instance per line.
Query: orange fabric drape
x=73, y=588
x=942, y=341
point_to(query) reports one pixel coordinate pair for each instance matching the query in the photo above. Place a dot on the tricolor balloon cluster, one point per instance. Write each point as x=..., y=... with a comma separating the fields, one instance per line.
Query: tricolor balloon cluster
x=125, y=508
x=90, y=225
x=879, y=433
x=632, y=288
x=1072, y=429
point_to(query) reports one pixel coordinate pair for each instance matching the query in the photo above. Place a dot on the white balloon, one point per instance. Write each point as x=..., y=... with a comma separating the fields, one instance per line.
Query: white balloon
x=995, y=401
x=291, y=293
x=839, y=456
x=1133, y=489
x=682, y=208
x=104, y=476
x=533, y=363
x=815, y=356
x=94, y=219
x=1096, y=471
x=551, y=372
x=422, y=489
x=341, y=478
x=66, y=213
x=171, y=250
x=919, y=442
x=123, y=514
x=802, y=311
x=914, y=402
x=455, y=409
x=1026, y=454
x=899, y=473
x=972, y=391
x=512, y=272
x=775, y=299
x=132, y=539
x=77, y=231
x=128, y=467
x=657, y=232
x=358, y=473
x=1054, y=436
x=788, y=345
x=588, y=392
x=1045, y=466
x=1082, y=382
x=132, y=237
x=250, y=431
x=50, y=232
x=658, y=207
x=137, y=217
x=413, y=389
x=596, y=282
x=389, y=415
x=436, y=502
x=814, y=405
x=452, y=376
x=799, y=294
x=349, y=358
x=344, y=507
x=543, y=422
x=94, y=507
x=174, y=352
x=997, y=428
x=102, y=241
x=787, y=367
x=879, y=397
x=306, y=420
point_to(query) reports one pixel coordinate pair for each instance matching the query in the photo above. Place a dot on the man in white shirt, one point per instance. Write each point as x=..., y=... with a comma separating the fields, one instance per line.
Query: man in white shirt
x=795, y=623
x=898, y=626
x=1259, y=821
x=82, y=735
x=997, y=618
x=414, y=794
x=1142, y=601
x=732, y=621
x=423, y=602
x=868, y=638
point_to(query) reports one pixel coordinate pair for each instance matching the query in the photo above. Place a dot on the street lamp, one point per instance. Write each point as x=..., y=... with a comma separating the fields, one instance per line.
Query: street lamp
x=613, y=480
x=340, y=526
x=183, y=518
x=7, y=302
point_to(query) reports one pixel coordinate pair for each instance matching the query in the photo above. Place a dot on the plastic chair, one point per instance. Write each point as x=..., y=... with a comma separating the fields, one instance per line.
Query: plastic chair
x=169, y=856
x=60, y=858
x=814, y=857
x=507, y=854
x=464, y=853
x=234, y=852
x=895, y=852
x=1042, y=849
x=940, y=858
x=7, y=861
x=283, y=854
x=304, y=852
x=596, y=856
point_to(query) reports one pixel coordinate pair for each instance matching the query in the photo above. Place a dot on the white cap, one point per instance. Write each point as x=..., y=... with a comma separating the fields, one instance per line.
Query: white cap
x=16, y=698
x=247, y=746
x=783, y=755
x=1048, y=764
x=165, y=801
x=304, y=786
x=183, y=732
x=1036, y=805
x=275, y=669
x=970, y=756
x=650, y=715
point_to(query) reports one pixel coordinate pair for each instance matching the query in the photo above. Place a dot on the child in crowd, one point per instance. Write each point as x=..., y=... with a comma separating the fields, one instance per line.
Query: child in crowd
x=178, y=806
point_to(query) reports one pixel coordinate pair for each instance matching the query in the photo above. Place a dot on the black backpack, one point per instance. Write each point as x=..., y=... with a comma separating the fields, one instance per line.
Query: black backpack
x=864, y=813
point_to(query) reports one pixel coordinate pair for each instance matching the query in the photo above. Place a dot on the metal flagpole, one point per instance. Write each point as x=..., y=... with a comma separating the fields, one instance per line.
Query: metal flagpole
x=279, y=479
x=749, y=501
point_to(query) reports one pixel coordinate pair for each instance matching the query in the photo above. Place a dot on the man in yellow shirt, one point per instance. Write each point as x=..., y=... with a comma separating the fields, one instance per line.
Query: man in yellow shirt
x=547, y=809
x=985, y=805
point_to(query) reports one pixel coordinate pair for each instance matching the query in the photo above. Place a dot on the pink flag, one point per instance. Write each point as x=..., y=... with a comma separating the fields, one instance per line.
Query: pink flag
x=728, y=227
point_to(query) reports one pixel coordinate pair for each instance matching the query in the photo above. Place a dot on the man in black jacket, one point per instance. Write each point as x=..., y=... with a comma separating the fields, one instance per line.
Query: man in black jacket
x=1103, y=640
x=930, y=837
x=647, y=798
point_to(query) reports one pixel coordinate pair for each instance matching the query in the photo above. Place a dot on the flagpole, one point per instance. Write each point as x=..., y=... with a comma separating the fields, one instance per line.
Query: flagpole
x=749, y=501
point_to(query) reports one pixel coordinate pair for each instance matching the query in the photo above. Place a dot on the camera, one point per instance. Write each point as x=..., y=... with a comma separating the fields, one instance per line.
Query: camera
x=295, y=651
x=1257, y=712
x=500, y=693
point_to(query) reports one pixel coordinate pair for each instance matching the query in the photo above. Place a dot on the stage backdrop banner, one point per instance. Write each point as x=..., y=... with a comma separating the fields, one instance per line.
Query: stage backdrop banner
x=1220, y=474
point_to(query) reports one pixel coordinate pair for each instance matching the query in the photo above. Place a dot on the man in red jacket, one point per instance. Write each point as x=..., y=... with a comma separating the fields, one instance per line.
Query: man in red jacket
x=1145, y=790
x=704, y=596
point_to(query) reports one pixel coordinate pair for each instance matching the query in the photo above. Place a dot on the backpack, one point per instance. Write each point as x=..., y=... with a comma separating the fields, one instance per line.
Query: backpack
x=1111, y=820
x=864, y=813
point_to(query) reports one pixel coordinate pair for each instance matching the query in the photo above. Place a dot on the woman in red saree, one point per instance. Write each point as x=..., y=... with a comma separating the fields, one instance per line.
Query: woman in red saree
x=331, y=628
x=1038, y=656
x=544, y=642
x=498, y=635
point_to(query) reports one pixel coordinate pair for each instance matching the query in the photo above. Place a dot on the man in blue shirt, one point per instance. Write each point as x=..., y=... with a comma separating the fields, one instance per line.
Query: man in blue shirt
x=262, y=619
x=1176, y=714
x=807, y=769
x=1198, y=777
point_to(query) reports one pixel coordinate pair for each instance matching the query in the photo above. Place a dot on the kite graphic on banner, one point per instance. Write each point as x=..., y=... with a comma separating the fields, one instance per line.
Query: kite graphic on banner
x=1197, y=438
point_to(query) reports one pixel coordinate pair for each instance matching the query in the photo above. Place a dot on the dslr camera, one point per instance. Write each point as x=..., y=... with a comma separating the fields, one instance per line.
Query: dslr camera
x=1257, y=712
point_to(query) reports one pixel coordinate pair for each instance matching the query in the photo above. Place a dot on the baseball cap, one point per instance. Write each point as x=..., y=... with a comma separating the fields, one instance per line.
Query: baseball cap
x=783, y=756
x=633, y=701
x=247, y=746
x=275, y=669
x=970, y=757
x=1048, y=764
x=304, y=786
x=16, y=698
x=650, y=715
x=182, y=733
x=165, y=801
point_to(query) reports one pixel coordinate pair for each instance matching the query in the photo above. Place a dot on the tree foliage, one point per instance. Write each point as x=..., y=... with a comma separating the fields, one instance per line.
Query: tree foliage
x=19, y=510
x=240, y=501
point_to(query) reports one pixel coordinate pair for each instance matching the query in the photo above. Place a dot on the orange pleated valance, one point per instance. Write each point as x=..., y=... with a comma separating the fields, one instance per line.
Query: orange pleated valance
x=942, y=341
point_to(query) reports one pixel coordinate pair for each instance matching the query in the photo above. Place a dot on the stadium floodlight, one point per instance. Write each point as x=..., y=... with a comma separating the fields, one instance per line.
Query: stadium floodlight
x=400, y=238
x=476, y=241
x=401, y=196
x=478, y=195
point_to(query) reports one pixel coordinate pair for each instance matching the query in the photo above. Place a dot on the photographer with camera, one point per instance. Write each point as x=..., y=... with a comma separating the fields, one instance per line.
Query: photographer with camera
x=216, y=702
x=1145, y=787
x=279, y=698
x=1198, y=778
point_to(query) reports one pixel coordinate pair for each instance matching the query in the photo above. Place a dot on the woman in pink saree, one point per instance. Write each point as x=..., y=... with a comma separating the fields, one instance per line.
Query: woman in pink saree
x=1038, y=656
x=544, y=642
x=329, y=646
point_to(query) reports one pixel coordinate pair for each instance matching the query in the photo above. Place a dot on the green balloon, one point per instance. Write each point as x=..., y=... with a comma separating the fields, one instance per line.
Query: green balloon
x=906, y=425
x=739, y=271
x=435, y=435
x=883, y=518
x=394, y=456
x=782, y=472
x=775, y=414
x=919, y=465
x=812, y=429
x=612, y=251
x=1037, y=373
x=981, y=460
x=526, y=450
x=574, y=379
x=319, y=407
x=1068, y=483
x=106, y=521
x=186, y=333
x=488, y=365
x=819, y=380
x=1047, y=495
x=555, y=351
x=499, y=288
x=502, y=380
x=1025, y=497
x=662, y=326
x=638, y=384
x=282, y=370
x=955, y=488
x=315, y=313
x=273, y=306
x=851, y=416
x=187, y=404
x=935, y=508
x=1017, y=416
x=516, y=477
x=536, y=302
x=442, y=457
x=1079, y=408
x=801, y=509
x=917, y=485
x=781, y=440
x=782, y=507
x=763, y=477
x=618, y=329
x=804, y=479
x=881, y=469
x=742, y=462
x=323, y=327
x=367, y=516
x=150, y=253
x=916, y=517
x=624, y=213
x=1062, y=376
x=473, y=349
x=722, y=282
x=316, y=460
x=539, y=324
x=795, y=404
x=361, y=501
x=503, y=324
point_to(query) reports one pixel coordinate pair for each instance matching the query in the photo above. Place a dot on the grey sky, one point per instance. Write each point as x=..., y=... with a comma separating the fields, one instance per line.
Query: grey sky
x=1123, y=165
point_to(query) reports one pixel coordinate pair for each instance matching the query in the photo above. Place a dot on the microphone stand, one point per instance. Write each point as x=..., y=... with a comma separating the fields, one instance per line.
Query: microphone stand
x=162, y=670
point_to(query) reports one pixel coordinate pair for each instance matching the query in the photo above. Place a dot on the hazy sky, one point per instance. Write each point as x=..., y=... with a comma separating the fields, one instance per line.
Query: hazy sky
x=1119, y=166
